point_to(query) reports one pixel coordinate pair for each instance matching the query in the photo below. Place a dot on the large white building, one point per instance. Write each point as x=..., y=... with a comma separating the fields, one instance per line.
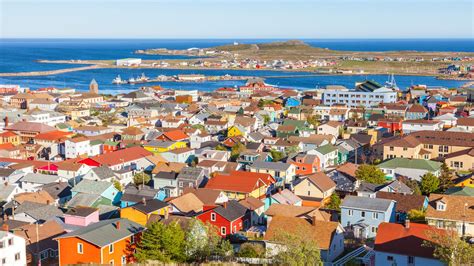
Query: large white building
x=128, y=61
x=12, y=249
x=355, y=98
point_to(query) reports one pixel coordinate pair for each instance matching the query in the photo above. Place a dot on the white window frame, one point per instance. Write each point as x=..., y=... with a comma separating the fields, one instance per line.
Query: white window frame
x=223, y=230
x=213, y=217
x=80, y=248
x=350, y=212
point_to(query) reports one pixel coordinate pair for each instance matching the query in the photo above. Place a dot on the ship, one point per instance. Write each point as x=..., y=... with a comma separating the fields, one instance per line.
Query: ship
x=391, y=83
x=118, y=80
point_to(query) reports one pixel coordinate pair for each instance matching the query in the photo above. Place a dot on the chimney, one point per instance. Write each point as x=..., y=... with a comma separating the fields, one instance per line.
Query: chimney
x=313, y=220
x=6, y=121
x=407, y=224
x=225, y=205
x=117, y=225
x=144, y=201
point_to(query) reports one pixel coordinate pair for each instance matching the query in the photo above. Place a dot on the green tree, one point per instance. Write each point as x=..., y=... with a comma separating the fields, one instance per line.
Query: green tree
x=141, y=178
x=220, y=148
x=236, y=150
x=334, y=202
x=416, y=215
x=370, y=173
x=413, y=184
x=449, y=248
x=297, y=249
x=429, y=183
x=266, y=119
x=251, y=250
x=313, y=120
x=162, y=243
x=445, y=179
x=276, y=155
x=291, y=149
x=117, y=185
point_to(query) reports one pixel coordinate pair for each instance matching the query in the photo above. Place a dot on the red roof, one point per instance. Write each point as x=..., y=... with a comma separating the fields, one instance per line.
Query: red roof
x=396, y=238
x=121, y=156
x=53, y=135
x=36, y=164
x=7, y=134
x=50, y=167
x=175, y=135
x=240, y=181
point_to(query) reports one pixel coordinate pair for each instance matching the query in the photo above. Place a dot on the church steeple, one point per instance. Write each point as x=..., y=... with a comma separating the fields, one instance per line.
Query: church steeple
x=94, y=87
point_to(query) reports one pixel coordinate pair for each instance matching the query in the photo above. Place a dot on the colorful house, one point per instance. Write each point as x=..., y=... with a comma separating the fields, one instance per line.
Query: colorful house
x=163, y=146
x=110, y=242
x=305, y=164
x=236, y=130
x=240, y=184
x=142, y=211
x=229, y=218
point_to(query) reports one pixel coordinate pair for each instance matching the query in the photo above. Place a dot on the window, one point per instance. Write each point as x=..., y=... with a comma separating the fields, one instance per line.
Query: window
x=80, y=248
x=389, y=258
x=44, y=255
x=180, y=183
x=213, y=217
x=17, y=256
x=373, y=229
x=375, y=215
x=405, y=148
x=411, y=260
x=111, y=248
x=223, y=230
x=132, y=239
x=2, y=244
x=124, y=260
x=309, y=193
x=111, y=262
x=350, y=212
x=4, y=261
x=362, y=214
x=391, y=149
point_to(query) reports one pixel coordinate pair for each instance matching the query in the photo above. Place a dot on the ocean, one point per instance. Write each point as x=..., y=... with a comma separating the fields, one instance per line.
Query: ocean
x=21, y=55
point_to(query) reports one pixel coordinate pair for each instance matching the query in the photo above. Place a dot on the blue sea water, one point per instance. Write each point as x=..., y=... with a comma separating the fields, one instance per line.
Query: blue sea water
x=21, y=55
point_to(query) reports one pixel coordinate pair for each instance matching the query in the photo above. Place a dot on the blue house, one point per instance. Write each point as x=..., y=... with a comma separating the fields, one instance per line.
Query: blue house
x=91, y=193
x=292, y=102
x=362, y=215
x=416, y=111
x=405, y=203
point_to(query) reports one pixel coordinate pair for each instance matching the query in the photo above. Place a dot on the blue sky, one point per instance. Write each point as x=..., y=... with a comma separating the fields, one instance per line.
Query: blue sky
x=237, y=19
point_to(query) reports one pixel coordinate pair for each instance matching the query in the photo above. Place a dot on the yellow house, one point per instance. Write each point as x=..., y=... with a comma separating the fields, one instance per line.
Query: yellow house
x=164, y=146
x=461, y=160
x=235, y=131
x=10, y=137
x=142, y=211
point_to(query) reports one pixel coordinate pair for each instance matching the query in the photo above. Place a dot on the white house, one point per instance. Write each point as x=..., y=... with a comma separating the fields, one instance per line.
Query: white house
x=327, y=155
x=50, y=118
x=128, y=61
x=409, y=126
x=12, y=249
x=76, y=146
x=33, y=182
x=356, y=98
x=329, y=128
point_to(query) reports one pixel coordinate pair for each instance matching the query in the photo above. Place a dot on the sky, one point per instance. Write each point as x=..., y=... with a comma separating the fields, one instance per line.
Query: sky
x=237, y=19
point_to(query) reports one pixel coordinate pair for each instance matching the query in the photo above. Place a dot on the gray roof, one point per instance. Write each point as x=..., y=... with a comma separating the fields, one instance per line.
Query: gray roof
x=39, y=178
x=279, y=166
x=103, y=172
x=4, y=172
x=92, y=187
x=6, y=191
x=191, y=173
x=82, y=199
x=232, y=211
x=39, y=211
x=106, y=232
x=136, y=194
x=364, y=203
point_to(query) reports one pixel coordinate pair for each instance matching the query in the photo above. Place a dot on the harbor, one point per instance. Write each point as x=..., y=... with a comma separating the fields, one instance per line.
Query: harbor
x=177, y=78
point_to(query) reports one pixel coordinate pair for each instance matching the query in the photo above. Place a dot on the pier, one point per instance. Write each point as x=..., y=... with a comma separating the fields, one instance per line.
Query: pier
x=48, y=72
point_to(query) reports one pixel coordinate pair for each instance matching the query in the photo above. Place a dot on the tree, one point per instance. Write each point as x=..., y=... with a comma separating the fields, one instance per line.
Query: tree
x=236, y=150
x=291, y=149
x=220, y=148
x=334, y=202
x=449, y=248
x=251, y=250
x=163, y=243
x=313, y=120
x=429, y=183
x=266, y=119
x=445, y=180
x=413, y=184
x=117, y=185
x=416, y=215
x=276, y=155
x=370, y=173
x=141, y=178
x=296, y=249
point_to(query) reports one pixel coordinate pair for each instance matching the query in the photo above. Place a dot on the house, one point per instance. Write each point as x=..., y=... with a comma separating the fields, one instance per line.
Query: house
x=409, y=126
x=466, y=123
x=186, y=205
x=180, y=155
x=397, y=244
x=92, y=130
x=142, y=211
x=284, y=173
x=345, y=178
x=451, y=212
x=256, y=209
x=228, y=218
x=362, y=215
x=209, y=197
x=332, y=128
x=101, y=173
x=315, y=187
x=240, y=184
x=405, y=203
x=106, y=242
x=76, y=147
x=32, y=182
x=416, y=111
x=173, y=135
x=283, y=197
x=328, y=235
x=12, y=248
x=461, y=160
x=28, y=130
x=35, y=212
x=94, y=193
x=60, y=192
x=411, y=168
x=133, y=194
x=157, y=147
x=132, y=134
x=135, y=158
x=189, y=177
x=81, y=216
x=40, y=246
x=449, y=120
x=327, y=154
x=305, y=163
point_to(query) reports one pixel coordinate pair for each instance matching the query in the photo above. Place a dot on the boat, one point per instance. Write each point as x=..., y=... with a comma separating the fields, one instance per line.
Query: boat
x=118, y=80
x=131, y=80
x=391, y=83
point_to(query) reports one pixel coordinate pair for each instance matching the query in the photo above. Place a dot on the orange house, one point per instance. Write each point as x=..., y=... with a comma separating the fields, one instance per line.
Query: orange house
x=106, y=242
x=305, y=164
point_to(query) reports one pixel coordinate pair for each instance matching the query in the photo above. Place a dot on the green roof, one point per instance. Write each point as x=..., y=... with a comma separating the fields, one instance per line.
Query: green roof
x=297, y=123
x=111, y=143
x=394, y=163
x=96, y=142
x=326, y=149
x=460, y=191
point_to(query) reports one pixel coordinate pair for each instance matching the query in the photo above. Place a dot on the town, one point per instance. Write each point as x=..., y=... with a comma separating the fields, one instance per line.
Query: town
x=255, y=174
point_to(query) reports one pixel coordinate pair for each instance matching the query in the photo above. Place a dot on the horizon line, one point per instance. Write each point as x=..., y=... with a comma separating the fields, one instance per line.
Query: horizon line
x=235, y=38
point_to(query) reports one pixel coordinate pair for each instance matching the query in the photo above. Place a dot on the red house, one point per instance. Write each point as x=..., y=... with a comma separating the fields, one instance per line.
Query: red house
x=110, y=146
x=391, y=124
x=305, y=164
x=229, y=218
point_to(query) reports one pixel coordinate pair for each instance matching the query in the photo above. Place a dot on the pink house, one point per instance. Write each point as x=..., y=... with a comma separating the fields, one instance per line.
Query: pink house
x=81, y=216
